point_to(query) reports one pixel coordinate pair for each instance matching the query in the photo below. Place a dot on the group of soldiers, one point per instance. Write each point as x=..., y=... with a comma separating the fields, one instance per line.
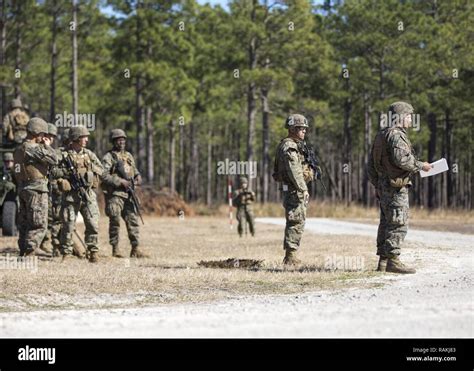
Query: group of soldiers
x=392, y=163
x=64, y=180
x=54, y=185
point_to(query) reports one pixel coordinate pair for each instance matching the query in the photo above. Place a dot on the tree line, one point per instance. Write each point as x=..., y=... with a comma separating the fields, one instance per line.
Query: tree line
x=194, y=85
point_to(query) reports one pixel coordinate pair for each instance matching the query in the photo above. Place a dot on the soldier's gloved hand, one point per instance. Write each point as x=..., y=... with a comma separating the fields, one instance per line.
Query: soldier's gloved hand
x=306, y=197
x=138, y=179
x=64, y=185
x=426, y=166
x=125, y=183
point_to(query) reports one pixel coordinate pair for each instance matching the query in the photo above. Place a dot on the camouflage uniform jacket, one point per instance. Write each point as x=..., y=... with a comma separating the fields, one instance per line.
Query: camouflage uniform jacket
x=290, y=165
x=392, y=159
x=31, y=162
x=110, y=179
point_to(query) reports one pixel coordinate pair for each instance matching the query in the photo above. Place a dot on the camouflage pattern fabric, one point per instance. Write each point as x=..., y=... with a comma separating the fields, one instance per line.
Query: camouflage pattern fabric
x=289, y=165
x=117, y=202
x=243, y=200
x=390, y=168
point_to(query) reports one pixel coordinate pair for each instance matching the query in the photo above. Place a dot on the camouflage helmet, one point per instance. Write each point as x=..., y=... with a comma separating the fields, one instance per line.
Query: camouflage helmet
x=78, y=131
x=16, y=103
x=243, y=180
x=52, y=129
x=117, y=133
x=295, y=121
x=36, y=126
x=401, y=108
x=8, y=156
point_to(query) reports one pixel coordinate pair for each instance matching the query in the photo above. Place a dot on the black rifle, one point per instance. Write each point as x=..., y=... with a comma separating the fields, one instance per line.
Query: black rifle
x=311, y=160
x=78, y=183
x=120, y=168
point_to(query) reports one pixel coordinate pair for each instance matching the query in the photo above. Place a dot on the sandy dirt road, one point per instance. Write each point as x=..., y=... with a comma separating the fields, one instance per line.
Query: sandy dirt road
x=435, y=302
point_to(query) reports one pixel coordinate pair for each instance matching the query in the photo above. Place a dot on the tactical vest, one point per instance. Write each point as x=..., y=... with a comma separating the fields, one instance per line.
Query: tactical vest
x=27, y=169
x=382, y=163
x=126, y=158
x=279, y=171
x=18, y=121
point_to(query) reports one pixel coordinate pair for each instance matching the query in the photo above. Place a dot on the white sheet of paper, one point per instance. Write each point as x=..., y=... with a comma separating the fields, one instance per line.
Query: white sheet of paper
x=439, y=166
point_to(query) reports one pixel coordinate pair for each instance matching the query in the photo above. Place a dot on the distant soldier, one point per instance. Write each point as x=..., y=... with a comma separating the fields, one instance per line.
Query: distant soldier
x=392, y=162
x=14, y=124
x=78, y=176
x=293, y=173
x=243, y=200
x=31, y=161
x=118, y=203
x=7, y=167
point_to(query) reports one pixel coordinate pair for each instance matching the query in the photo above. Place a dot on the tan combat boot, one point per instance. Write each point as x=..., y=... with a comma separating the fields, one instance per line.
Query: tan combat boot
x=93, y=257
x=137, y=253
x=66, y=257
x=116, y=252
x=290, y=257
x=382, y=267
x=394, y=265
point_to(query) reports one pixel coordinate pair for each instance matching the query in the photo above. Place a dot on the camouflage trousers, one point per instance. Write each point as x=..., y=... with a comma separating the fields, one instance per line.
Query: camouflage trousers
x=116, y=208
x=51, y=240
x=393, y=225
x=32, y=219
x=295, y=214
x=90, y=214
x=245, y=215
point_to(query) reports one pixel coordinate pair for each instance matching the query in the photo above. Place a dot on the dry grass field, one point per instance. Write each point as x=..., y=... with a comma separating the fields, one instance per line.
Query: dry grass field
x=172, y=275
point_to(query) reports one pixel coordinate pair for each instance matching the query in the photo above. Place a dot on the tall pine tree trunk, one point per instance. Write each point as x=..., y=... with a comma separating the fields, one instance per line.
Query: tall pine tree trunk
x=54, y=60
x=266, y=145
x=3, y=50
x=448, y=153
x=431, y=157
x=75, y=88
x=18, y=48
x=150, y=148
x=251, y=90
x=172, y=142
x=367, y=136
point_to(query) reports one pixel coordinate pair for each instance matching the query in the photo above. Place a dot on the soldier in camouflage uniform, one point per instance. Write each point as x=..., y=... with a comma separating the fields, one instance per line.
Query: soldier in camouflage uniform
x=117, y=200
x=243, y=199
x=31, y=161
x=7, y=167
x=392, y=161
x=293, y=174
x=90, y=170
x=14, y=124
x=50, y=242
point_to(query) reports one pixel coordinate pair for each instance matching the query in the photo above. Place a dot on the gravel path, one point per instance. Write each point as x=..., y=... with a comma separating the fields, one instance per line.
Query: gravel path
x=435, y=302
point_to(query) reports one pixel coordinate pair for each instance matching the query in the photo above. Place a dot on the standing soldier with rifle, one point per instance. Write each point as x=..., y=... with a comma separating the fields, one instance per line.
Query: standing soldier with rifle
x=118, y=182
x=78, y=176
x=31, y=161
x=293, y=172
x=243, y=199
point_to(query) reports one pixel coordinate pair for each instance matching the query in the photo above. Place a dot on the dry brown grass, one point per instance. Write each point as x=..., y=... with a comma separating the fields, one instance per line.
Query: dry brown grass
x=172, y=275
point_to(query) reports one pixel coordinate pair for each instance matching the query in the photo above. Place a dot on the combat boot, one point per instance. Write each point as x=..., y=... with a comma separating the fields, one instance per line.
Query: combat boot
x=93, y=257
x=394, y=265
x=290, y=257
x=137, y=253
x=66, y=257
x=382, y=266
x=116, y=252
x=29, y=252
